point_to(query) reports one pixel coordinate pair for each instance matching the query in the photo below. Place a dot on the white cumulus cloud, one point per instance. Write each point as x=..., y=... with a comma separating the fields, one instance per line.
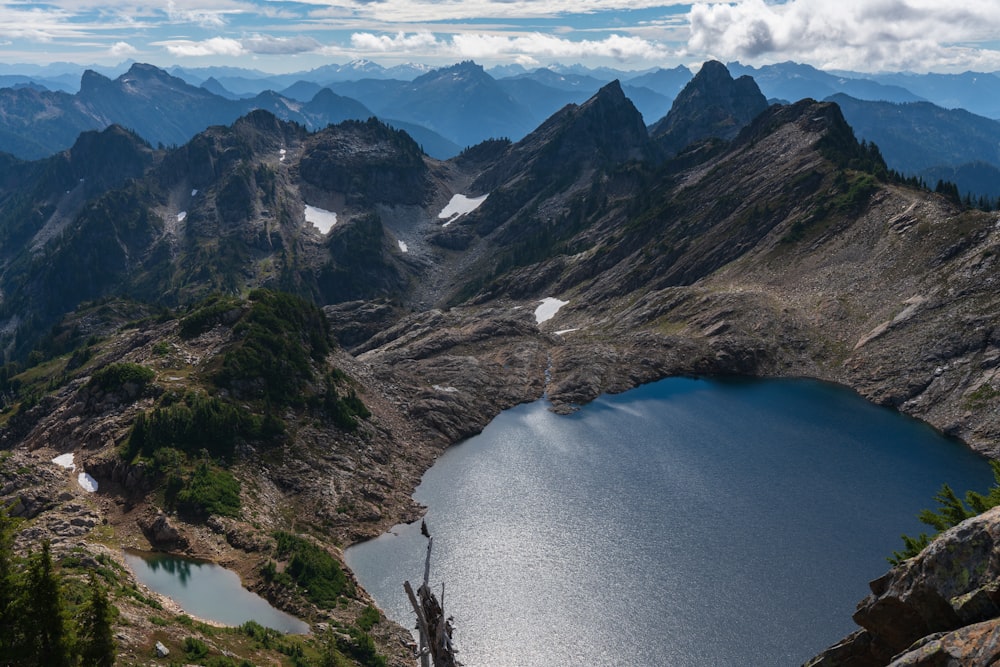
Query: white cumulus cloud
x=122, y=50
x=266, y=44
x=216, y=46
x=866, y=35
x=522, y=47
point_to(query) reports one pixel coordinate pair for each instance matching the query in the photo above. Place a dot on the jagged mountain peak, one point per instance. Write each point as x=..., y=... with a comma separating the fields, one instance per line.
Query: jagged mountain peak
x=91, y=81
x=711, y=105
x=106, y=158
x=466, y=70
x=142, y=75
x=607, y=124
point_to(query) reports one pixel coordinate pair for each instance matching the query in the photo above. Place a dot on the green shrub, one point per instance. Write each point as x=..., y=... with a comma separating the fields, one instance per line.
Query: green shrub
x=368, y=618
x=278, y=337
x=210, y=312
x=951, y=512
x=210, y=491
x=197, y=423
x=313, y=569
x=361, y=647
x=117, y=375
x=194, y=648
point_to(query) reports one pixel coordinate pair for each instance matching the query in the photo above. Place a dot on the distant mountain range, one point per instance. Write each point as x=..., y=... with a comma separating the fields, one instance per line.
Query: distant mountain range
x=445, y=110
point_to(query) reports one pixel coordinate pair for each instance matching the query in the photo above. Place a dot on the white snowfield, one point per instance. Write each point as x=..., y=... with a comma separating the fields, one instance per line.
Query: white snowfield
x=86, y=482
x=65, y=461
x=458, y=206
x=181, y=216
x=321, y=219
x=403, y=246
x=547, y=309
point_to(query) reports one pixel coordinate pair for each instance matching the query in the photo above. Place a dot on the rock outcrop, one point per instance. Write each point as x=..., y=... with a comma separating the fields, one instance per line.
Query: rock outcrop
x=938, y=608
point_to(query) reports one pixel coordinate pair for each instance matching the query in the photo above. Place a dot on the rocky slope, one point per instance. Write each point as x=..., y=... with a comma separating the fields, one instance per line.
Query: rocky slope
x=779, y=249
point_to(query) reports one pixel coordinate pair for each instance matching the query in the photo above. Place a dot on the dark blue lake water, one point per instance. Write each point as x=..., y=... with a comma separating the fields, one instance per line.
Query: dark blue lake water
x=687, y=522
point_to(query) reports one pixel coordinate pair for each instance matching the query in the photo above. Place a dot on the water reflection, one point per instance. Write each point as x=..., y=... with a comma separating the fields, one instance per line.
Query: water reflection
x=181, y=569
x=208, y=591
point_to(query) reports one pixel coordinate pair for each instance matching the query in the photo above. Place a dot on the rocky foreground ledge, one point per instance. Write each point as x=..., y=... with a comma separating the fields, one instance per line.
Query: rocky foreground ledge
x=938, y=608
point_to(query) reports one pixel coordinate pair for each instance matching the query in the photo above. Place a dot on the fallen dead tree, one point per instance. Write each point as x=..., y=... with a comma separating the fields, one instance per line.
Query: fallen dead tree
x=435, y=629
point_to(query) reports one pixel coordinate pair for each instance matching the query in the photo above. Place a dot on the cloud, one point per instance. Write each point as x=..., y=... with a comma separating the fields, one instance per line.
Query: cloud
x=398, y=43
x=268, y=45
x=408, y=11
x=122, y=50
x=206, y=18
x=216, y=46
x=525, y=48
x=865, y=35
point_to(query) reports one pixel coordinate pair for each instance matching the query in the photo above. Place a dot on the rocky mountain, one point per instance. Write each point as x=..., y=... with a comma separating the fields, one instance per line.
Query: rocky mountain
x=713, y=104
x=774, y=244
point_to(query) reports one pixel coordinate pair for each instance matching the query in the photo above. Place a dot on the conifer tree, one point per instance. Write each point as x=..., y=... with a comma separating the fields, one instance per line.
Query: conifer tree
x=8, y=591
x=45, y=621
x=97, y=641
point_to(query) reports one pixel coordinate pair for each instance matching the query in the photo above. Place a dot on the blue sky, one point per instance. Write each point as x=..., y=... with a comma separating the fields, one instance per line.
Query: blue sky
x=281, y=36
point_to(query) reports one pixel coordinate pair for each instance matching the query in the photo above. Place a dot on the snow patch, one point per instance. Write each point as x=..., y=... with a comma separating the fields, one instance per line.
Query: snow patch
x=65, y=461
x=88, y=483
x=181, y=216
x=547, y=309
x=458, y=206
x=194, y=193
x=283, y=153
x=563, y=332
x=403, y=246
x=447, y=390
x=321, y=219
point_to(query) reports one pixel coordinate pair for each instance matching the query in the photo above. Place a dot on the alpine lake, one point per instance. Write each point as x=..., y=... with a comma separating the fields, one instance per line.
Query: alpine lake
x=686, y=522
x=208, y=591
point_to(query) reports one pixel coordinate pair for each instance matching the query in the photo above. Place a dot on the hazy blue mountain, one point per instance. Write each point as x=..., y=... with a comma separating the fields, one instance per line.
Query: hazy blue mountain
x=920, y=135
x=303, y=91
x=198, y=75
x=506, y=71
x=373, y=93
x=327, y=107
x=650, y=103
x=975, y=179
x=564, y=81
x=793, y=81
x=161, y=108
x=666, y=82
x=462, y=103
x=978, y=93
x=540, y=99
x=35, y=123
x=213, y=86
